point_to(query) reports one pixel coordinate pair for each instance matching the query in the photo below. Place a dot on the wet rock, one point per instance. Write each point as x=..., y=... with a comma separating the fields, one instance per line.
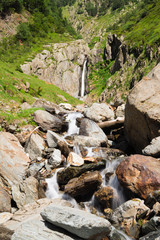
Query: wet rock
x=47, y=121
x=91, y=129
x=153, y=149
x=143, y=104
x=74, y=159
x=63, y=176
x=105, y=196
x=13, y=162
x=99, y=112
x=56, y=159
x=84, y=185
x=117, y=235
x=124, y=217
x=5, y=200
x=34, y=146
x=140, y=174
x=150, y=226
x=78, y=222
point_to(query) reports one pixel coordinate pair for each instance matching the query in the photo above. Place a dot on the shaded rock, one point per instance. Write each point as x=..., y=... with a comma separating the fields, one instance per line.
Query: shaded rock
x=13, y=162
x=91, y=129
x=34, y=146
x=124, y=217
x=153, y=149
x=140, y=174
x=144, y=103
x=74, y=159
x=26, y=192
x=117, y=235
x=78, y=222
x=5, y=201
x=47, y=121
x=99, y=112
x=152, y=236
x=56, y=159
x=120, y=111
x=152, y=198
x=64, y=175
x=105, y=196
x=152, y=225
x=120, y=59
x=86, y=184
x=112, y=47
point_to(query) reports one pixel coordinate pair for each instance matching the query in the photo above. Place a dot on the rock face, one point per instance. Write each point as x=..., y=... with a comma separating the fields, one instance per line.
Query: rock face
x=47, y=121
x=13, y=163
x=86, y=184
x=62, y=66
x=140, y=174
x=144, y=104
x=78, y=222
x=99, y=112
x=124, y=216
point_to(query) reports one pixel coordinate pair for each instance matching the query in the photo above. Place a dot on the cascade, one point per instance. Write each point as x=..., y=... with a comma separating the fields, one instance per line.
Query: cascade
x=83, y=79
x=71, y=119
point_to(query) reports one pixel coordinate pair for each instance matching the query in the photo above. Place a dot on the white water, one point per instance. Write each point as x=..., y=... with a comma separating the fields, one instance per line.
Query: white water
x=83, y=78
x=71, y=119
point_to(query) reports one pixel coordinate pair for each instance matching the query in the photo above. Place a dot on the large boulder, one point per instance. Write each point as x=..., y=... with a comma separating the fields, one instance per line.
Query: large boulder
x=13, y=163
x=86, y=184
x=91, y=129
x=78, y=222
x=47, y=121
x=142, y=113
x=105, y=196
x=140, y=174
x=99, y=112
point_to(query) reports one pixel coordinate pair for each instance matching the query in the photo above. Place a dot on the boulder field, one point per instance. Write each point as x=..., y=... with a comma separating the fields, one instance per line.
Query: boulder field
x=69, y=179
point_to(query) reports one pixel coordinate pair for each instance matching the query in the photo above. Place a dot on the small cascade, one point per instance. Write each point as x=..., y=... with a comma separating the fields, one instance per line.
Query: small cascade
x=83, y=79
x=71, y=119
x=53, y=188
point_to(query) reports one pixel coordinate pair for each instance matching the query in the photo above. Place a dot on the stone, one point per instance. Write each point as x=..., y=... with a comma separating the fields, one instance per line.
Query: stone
x=151, y=236
x=99, y=112
x=34, y=169
x=48, y=106
x=84, y=185
x=74, y=159
x=112, y=47
x=91, y=129
x=84, y=225
x=35, y=146
x=153, y=149
x=150, y=226
x=53, y=139
x=26, y=192
x=144, y=104
x=5, y=200
x=47, y=121
x=104, y=196
x=124, y=217
x=24, y=133
x=152, y=198
x=156, y=208
x=30, y=215
x=86, y=141
x=56, y=159
x=25, y=106
x=66, y=106
x=120, y=111
x=13, y=162
x=5, y=216
x=139, y=174
x=66, y=174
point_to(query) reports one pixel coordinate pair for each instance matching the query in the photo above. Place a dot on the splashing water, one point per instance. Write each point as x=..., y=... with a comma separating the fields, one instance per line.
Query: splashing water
x=71, y=119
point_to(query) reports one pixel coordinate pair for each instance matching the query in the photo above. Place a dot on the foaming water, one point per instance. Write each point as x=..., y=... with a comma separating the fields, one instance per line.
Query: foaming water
x=71, y=119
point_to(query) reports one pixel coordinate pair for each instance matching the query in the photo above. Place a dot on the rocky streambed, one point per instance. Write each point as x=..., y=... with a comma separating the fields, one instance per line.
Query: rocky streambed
x=80, y=175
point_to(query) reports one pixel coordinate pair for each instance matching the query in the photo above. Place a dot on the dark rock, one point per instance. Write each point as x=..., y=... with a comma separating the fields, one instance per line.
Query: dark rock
x=86, y=184
x=151, y=226
x=105, y=196
x=151, y=236
x=152, y=198
x=63, y=176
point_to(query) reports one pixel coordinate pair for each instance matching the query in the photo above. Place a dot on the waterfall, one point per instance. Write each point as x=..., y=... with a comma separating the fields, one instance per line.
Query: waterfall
x=83, y=78
x=71, y=119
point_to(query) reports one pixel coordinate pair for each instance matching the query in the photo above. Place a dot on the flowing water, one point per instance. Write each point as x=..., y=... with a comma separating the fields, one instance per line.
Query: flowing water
x=71, y=119
x=83, y=79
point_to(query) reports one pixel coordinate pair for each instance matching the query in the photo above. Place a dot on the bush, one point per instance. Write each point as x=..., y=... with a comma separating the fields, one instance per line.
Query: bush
x=23, y=32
